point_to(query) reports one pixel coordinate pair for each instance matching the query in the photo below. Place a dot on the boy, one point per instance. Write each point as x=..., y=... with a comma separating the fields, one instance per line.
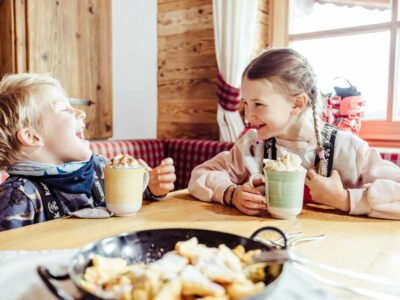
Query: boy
x=42, y=147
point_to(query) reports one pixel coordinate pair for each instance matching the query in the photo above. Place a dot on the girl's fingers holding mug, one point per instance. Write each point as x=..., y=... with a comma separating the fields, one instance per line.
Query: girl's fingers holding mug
x=257, y=198
x=253, y=205
x=258, y=182
x=248, y=211
x=253, y=212
x=248, y=188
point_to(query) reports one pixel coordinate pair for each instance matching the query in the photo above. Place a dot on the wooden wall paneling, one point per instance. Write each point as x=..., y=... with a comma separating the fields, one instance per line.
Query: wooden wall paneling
x=263, y=5
x=187, y=55
x=262, y=28
x=193, y=130
x=190, y=119
x=72, y=40
x=97, y=32
x=187, y=102
x=183, y=111
x=172, y=89
x=278, y=29
x=190, y=19
x=186, y=66
x=21, y=50
x=200, y=43
x=7, y=37
x=174, y=5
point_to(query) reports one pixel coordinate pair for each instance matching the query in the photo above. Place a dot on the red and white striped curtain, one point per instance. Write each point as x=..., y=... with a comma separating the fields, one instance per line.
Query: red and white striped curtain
x=234, y=26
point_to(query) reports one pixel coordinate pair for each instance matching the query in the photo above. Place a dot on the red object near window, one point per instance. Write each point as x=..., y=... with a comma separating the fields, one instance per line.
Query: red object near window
x=345, y=113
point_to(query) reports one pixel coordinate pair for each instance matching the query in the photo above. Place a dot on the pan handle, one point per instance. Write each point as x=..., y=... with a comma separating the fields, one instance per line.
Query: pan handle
x=268, y=243
x=46, y=275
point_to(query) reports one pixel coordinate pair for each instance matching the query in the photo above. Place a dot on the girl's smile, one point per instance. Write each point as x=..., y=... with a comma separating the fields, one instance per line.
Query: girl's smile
x=269, y=112
x=257, y=127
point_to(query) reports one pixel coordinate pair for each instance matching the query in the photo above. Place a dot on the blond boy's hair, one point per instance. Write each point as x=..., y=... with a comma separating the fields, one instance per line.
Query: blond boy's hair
x=19, y=109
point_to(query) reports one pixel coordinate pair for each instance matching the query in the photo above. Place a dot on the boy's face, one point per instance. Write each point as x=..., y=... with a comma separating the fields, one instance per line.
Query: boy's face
x=63, y=128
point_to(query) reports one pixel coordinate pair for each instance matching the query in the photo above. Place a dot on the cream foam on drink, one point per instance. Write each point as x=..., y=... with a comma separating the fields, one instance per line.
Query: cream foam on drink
x=122, y=161
x=288, y=162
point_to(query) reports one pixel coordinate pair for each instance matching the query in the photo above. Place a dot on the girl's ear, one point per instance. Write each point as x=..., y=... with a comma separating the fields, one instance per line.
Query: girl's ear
x=299, y=104
x=28, y=137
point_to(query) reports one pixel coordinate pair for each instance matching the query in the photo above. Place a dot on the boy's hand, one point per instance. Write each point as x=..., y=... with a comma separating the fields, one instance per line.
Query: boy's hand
x=328, y=190
x=162, y=177
x=248, y=200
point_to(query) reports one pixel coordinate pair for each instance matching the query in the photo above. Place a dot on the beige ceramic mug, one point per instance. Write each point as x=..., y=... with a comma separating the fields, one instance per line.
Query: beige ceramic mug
x=124, y=189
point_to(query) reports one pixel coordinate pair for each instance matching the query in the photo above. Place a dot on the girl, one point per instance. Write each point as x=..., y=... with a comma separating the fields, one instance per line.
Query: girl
x=283, y=104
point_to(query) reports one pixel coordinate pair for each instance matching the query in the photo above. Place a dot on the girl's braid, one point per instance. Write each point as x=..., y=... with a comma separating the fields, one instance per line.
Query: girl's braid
x=317, y=129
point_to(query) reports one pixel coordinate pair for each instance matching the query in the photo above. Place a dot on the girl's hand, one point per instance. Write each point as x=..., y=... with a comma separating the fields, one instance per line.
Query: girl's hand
x=248, y=200
x=328, y=190
x=162, y=177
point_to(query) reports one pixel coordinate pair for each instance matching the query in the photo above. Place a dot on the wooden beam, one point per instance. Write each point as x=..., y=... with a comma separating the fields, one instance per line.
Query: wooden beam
x=7, y=36
x=279, y=10
x=21, y=35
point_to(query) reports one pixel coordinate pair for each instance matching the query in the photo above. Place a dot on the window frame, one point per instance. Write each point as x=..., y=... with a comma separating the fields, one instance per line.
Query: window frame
x=384, y=133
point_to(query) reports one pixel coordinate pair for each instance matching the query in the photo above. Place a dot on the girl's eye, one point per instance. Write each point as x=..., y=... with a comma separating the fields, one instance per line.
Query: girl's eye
x=259, y=104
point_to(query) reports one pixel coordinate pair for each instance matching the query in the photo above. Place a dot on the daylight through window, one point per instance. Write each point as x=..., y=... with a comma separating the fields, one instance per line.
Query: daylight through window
x=359, y=41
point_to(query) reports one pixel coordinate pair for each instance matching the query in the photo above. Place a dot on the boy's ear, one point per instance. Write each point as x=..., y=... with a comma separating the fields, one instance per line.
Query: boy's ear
x=28, y=137
x=299, y=104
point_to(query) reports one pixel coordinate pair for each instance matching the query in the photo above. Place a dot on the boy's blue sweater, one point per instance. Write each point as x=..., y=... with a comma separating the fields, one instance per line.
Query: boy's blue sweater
x=21, y=204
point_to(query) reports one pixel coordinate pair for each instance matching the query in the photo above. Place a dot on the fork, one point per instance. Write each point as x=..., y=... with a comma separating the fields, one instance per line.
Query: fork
x=291, y=242
x=303, y=264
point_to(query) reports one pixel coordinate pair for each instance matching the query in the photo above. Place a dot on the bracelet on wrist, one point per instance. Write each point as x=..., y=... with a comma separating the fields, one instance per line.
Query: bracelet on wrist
x=231, y=196
x=226, y=198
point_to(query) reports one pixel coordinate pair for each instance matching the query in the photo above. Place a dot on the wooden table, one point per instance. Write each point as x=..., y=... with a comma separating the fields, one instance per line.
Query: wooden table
x=353, y=242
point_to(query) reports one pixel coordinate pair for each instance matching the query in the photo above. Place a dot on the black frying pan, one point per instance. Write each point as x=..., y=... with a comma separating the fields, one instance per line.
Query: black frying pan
x=149, y=245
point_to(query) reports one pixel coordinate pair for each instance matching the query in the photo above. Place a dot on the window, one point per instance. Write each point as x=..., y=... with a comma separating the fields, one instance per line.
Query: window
x=357, y=40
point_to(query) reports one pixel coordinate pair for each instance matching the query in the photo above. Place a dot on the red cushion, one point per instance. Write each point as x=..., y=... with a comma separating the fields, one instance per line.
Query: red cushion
x=150, y=150
x=187, y=154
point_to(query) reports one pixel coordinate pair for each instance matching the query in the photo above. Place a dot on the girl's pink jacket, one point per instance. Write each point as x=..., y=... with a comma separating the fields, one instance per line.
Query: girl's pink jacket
x=373, y=183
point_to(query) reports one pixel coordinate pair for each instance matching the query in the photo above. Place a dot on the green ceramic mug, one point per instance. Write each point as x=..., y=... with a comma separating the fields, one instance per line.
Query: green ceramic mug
x=283, y=192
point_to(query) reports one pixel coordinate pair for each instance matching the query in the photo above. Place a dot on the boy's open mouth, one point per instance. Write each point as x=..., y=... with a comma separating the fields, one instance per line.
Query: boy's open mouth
x=80, y=134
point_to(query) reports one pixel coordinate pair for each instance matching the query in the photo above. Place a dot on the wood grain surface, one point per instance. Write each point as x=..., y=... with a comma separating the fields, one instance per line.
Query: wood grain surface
x=187, y=102
x=69, y=39
x=353, y=242
x=7, y=38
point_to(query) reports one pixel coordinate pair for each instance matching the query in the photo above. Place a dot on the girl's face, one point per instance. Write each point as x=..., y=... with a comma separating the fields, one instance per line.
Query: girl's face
x=63, y=128
x=266, y=110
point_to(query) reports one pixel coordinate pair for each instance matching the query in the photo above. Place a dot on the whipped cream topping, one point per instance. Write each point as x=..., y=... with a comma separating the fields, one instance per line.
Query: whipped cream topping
x=288, y=162
x=122, y=161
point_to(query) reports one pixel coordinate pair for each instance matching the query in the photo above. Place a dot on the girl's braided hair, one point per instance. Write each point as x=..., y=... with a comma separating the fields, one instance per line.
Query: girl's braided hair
x=292, y=74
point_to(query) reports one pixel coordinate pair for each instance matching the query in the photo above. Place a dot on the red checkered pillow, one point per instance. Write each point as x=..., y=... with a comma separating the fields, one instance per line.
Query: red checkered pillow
x=151, y=150
x=187, y=154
